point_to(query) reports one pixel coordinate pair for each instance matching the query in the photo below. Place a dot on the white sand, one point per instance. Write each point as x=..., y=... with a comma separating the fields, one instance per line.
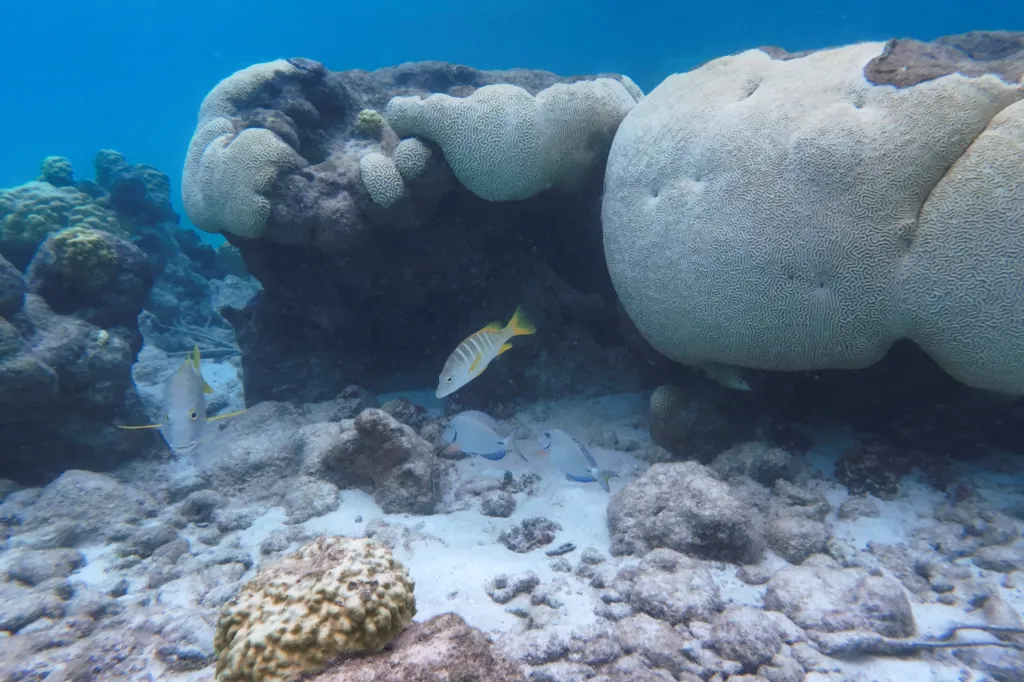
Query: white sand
x=452, y=557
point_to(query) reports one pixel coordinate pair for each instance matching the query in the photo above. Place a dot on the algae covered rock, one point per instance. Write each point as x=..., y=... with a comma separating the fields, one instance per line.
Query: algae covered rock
x=334, y=595
x=98, y=276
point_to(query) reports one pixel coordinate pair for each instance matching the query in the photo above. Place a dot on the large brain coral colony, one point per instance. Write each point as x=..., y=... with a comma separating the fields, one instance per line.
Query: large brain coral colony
x=790, y=212
x=333, y=596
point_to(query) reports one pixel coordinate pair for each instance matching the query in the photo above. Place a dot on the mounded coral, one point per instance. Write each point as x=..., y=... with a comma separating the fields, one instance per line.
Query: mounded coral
x=412, y=158
x=369, y=124
x=381, y=179
x=800, y=212
x=334, y=595
x=228, y=171
x=32, y=212
x=84, y=258
x=666, y=400
x=57, y=171
x=503, y=143
x=95, y=275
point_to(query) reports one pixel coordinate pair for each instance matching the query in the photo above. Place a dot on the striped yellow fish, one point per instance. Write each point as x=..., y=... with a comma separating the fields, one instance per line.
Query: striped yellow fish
x=471, y=357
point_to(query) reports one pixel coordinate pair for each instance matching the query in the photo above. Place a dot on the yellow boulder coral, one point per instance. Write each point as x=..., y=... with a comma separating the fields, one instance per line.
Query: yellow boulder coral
x=332, y=596
x=84, y=256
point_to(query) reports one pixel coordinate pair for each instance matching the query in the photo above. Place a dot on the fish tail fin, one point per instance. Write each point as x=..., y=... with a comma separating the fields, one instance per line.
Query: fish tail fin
x=194, y=357
x=602, y=476
x=225, y=416
x=519, y=325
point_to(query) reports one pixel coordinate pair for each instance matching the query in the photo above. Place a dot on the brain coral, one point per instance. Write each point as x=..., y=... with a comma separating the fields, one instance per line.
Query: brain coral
x=334, y=595
x=790, y=213
x=381, y=178
x=503, y=143
x=227, y=172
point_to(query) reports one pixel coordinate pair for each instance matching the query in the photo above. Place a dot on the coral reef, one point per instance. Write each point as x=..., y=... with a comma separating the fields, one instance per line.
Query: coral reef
x=358, y=227
x=68, y=353
x=861, y=180
x=32, y=212
x=91, y=255
x=333, y=596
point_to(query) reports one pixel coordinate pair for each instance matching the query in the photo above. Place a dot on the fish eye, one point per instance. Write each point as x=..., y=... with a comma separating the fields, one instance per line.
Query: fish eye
x=449, y=380
x=193, y=415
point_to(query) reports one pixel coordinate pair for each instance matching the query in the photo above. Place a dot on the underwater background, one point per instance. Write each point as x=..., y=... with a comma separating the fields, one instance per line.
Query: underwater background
x=554, y=341
x=123, y=75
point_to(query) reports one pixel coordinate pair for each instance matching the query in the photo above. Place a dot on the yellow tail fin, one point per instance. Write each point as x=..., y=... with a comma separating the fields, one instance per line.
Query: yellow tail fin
x=519, y=325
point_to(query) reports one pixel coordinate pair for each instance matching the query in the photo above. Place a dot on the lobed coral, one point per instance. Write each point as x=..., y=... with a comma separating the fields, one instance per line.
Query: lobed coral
x=381, y=179
x=228, y=172
x=503, y=143
x=412, y=158
x=334, y=595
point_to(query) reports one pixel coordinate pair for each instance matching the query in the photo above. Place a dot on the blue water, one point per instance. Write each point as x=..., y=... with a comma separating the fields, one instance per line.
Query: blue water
x=130, y=74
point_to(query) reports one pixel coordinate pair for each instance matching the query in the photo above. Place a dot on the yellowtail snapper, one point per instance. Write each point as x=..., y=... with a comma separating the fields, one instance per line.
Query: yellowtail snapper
x=471, y=357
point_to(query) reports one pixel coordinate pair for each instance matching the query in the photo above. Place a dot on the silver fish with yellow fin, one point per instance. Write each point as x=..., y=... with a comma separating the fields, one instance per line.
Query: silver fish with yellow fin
x=185, y=407
x=471, y=357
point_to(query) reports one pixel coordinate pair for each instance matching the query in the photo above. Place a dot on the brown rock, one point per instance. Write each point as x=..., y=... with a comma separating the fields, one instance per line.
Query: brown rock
x=442, y=649
x=907, y=62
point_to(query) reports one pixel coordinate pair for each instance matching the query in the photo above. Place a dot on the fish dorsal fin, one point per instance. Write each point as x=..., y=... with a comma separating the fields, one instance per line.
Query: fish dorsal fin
x=503, y=348
x=583, y=449
x=493, y=327
x=195, y=360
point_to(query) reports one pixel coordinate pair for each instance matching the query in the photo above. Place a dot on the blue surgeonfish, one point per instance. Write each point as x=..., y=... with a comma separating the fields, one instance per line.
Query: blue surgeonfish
x=471, y=357
x=572, y=458
x=476, y=433
x=184, y=415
